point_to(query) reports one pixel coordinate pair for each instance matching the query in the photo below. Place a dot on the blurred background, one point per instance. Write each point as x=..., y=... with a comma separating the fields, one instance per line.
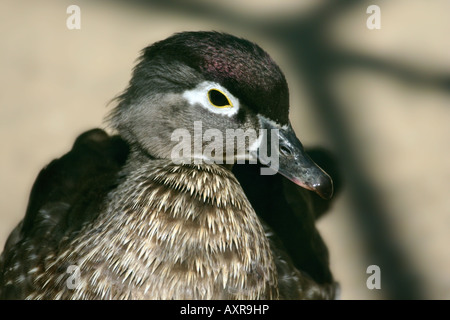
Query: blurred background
x=378, y=99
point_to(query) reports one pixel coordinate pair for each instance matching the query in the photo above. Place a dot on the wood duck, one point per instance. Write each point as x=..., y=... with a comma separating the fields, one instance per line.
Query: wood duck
x=119, y=217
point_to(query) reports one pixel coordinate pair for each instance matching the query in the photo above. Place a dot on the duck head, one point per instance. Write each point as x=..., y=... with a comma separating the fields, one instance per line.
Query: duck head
x=217, y=98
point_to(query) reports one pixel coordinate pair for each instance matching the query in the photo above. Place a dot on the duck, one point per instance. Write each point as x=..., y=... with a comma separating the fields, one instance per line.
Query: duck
x=144, y=212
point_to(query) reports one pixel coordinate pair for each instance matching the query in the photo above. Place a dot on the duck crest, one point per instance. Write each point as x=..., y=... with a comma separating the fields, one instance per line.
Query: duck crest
x=171, y=232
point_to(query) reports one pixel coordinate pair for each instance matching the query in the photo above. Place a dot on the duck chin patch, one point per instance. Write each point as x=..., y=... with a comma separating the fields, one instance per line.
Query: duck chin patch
x=200, y=96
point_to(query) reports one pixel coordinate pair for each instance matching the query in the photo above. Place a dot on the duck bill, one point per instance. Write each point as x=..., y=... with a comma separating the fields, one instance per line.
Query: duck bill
x=288, y=157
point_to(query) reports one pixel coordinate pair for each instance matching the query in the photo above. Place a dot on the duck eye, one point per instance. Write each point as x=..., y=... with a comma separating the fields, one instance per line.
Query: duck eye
x=218, y=99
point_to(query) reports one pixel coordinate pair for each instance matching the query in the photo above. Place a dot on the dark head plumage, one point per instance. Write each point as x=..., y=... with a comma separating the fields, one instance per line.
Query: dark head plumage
x=244, y=68
x=240, y=65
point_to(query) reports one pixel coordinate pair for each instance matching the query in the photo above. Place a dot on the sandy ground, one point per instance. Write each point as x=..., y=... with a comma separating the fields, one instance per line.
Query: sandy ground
x=56, y=83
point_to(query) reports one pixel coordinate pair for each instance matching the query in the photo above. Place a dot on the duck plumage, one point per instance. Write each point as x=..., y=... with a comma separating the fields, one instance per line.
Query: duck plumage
x=137, y=225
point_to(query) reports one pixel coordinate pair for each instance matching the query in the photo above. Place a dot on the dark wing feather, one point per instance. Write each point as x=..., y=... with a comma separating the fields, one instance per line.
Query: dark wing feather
x=66, y=194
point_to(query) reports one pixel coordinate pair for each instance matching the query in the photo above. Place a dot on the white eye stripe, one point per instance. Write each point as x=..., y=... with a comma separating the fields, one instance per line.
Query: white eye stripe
x=199, y=95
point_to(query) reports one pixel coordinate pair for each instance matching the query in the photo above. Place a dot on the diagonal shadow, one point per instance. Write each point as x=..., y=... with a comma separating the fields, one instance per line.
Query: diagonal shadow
x=303, y=37
x=407, y=74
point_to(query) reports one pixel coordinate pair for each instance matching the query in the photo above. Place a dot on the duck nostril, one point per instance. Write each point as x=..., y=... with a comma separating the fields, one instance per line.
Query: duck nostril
x=285, y=151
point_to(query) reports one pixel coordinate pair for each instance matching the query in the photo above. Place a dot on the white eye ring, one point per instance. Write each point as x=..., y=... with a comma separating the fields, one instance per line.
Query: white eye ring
x=200, y=95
